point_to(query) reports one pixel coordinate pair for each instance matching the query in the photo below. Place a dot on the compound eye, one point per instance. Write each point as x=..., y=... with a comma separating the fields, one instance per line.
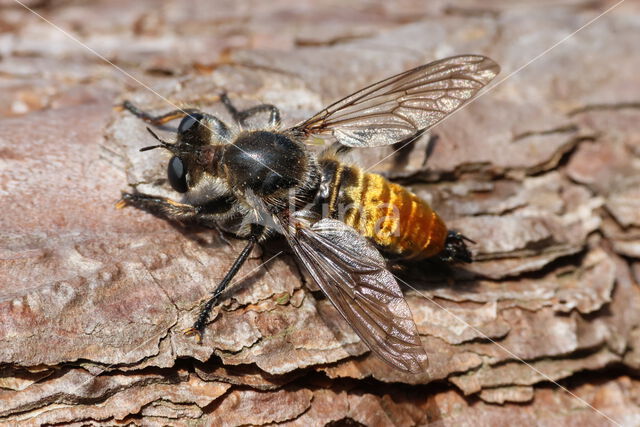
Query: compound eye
x=188, y=121
x=177, y=175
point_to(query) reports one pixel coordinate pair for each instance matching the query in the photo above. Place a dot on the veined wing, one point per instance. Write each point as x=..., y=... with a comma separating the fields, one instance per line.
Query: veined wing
x=399, y=107
x=352, y=273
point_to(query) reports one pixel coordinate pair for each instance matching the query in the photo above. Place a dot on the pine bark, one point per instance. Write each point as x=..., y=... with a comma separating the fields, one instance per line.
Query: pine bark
x=542, y=172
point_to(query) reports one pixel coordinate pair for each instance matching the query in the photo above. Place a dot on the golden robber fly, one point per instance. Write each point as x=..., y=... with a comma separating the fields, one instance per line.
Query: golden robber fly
x=337, y=218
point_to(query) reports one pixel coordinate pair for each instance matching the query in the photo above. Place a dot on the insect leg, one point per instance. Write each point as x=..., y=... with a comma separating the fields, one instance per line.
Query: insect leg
x=158, y=120
x=274, y=114
x=240, y=117
x=203, y=316
x=230, y=107
x=455, y=248
x=159, y=205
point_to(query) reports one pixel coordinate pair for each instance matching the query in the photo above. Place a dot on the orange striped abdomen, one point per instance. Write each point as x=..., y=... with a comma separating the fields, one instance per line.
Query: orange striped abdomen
x=397, y=220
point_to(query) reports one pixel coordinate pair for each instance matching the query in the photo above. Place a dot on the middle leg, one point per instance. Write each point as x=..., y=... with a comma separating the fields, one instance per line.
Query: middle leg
x=198, y=326
x=241, y=117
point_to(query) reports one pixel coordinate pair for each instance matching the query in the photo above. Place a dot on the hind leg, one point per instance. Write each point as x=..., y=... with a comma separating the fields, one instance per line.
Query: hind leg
x=455, y=248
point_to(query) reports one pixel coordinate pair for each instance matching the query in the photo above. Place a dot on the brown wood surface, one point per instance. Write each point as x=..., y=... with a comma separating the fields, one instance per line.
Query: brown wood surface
x=542, y=171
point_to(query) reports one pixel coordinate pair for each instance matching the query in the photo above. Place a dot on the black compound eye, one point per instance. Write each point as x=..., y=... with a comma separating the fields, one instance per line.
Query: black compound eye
x=177, y=175
x=188, y=122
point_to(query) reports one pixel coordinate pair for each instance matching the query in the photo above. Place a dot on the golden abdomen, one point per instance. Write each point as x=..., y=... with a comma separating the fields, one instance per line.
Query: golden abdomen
x=394, y=218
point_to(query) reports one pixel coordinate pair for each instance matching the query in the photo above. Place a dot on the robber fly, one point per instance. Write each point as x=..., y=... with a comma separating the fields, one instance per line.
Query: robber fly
x=335, y=216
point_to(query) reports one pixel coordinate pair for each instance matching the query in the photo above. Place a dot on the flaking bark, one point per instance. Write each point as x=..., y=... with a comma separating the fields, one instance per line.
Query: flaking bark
x=541, y=171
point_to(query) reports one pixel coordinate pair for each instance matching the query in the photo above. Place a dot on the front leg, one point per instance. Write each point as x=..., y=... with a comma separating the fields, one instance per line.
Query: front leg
x=163, y=206
x=161, y=119
x=182, y=211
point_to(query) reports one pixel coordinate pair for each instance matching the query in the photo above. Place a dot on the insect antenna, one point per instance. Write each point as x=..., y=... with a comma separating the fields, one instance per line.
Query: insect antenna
x=163, y=144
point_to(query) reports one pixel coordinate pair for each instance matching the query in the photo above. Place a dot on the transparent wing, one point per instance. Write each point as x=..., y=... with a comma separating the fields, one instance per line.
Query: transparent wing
x=352, y=273
x=401, y=106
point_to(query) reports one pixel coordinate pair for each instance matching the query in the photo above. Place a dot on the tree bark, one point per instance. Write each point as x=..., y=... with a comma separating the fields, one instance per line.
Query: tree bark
x=542, y=171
